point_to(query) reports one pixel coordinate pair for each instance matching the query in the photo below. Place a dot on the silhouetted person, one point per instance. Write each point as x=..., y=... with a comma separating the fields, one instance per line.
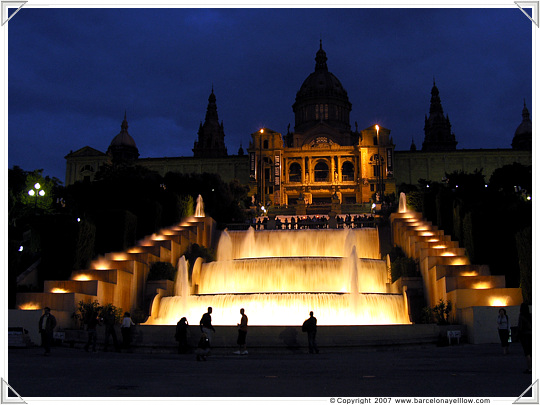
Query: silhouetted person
x=310, y=326
x=46, y=325
x=206, y=325
x=503, y=327
x=525, y=334
x=203, y=347
x=242, y=333
x=109, y=320
x=91, y=321
x=125, y=328
x=181, y=335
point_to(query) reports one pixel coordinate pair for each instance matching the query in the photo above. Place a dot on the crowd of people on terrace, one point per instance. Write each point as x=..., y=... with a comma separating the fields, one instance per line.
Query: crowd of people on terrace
x=317, y=222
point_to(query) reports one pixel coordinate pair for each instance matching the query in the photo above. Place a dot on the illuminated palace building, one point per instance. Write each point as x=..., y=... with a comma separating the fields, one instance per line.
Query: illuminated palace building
x=323, y=161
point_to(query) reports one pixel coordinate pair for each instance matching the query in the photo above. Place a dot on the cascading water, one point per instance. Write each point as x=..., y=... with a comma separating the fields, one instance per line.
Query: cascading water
x=279, y=276
x=301, y=243
x=352, y=264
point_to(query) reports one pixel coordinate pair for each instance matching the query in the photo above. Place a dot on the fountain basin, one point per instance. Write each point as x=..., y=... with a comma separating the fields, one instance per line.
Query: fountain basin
x=287, y=309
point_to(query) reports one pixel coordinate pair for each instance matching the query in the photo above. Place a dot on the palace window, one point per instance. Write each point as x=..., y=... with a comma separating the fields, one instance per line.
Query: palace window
x=376, y=163
x=347, y=171
x=295, y=173
x=321, y=111
x=321, y=172
x=87, y=168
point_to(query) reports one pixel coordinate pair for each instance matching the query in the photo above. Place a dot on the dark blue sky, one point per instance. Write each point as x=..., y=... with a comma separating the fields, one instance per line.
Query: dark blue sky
x=73, y=73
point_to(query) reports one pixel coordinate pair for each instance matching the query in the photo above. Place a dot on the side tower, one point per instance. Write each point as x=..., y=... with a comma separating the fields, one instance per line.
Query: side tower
x=437, y=128
x=211, y=142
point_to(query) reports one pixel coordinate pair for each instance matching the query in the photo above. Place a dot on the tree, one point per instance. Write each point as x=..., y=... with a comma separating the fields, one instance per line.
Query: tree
x=441, y=311
x=22, y=204
x=511, y=178
x=162, y=271
x=38, y=193
x=87, y=310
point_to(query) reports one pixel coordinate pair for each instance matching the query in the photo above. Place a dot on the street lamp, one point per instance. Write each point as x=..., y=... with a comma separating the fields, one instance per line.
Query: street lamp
x=37, y=192
x=379, y=162
x=262, y=191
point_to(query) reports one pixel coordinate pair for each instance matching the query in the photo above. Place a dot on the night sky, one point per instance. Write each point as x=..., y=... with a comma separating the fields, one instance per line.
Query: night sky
x=74, y=72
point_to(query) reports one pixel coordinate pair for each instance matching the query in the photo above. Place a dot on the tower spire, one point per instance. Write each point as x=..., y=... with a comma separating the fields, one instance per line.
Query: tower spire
x=321, y=59
x=211, y=137
x=124, y=125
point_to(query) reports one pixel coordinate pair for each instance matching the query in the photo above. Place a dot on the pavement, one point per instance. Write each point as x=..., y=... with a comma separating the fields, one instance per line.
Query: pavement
x=463, y=370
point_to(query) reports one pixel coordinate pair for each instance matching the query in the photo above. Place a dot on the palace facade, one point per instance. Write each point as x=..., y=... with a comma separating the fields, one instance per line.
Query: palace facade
x=323, y=160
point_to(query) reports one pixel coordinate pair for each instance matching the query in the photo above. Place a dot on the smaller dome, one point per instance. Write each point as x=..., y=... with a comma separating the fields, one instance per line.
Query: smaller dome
x=123, y=138
x=523, y=136
x=524, y=128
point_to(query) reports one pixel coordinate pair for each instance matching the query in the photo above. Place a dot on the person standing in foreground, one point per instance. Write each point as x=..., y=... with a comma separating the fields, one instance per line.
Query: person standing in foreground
x=203, y=348
x=242, y=332
x=109, y=320
x=181, y=335
x=91, y=321
x=525, y=334
x=47, y=323
x=125, y=328
x=206, y=325
x=310, y=326
x=503, y=327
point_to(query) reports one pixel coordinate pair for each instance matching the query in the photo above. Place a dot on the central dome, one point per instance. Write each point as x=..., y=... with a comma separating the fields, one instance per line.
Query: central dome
x=321, y=98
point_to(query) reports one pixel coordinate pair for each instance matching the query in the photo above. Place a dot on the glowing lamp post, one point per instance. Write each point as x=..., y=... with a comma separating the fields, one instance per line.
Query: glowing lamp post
x=37, y=192
x=262, y=193
x=379, y=163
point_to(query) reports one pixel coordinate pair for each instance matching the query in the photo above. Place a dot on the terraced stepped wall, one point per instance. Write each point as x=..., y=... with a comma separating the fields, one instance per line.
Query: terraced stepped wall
x=447, y=274
x=119, y=278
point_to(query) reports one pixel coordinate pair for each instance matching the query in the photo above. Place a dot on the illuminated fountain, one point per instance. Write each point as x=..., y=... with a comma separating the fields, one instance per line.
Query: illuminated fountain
x=279, y=276
x=402, y=203
x=199, y=209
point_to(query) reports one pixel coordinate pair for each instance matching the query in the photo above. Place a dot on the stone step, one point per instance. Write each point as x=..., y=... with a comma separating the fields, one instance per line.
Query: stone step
x=429, y=262
x=494, y=297
x=448, y=252
x=473, y=282
x=108, y=276
x=143, y=257
x=462, y=271
x=41, y=300
x=163, y=253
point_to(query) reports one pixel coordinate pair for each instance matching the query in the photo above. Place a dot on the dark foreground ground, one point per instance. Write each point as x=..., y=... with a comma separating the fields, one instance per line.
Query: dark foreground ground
x=429, y=371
